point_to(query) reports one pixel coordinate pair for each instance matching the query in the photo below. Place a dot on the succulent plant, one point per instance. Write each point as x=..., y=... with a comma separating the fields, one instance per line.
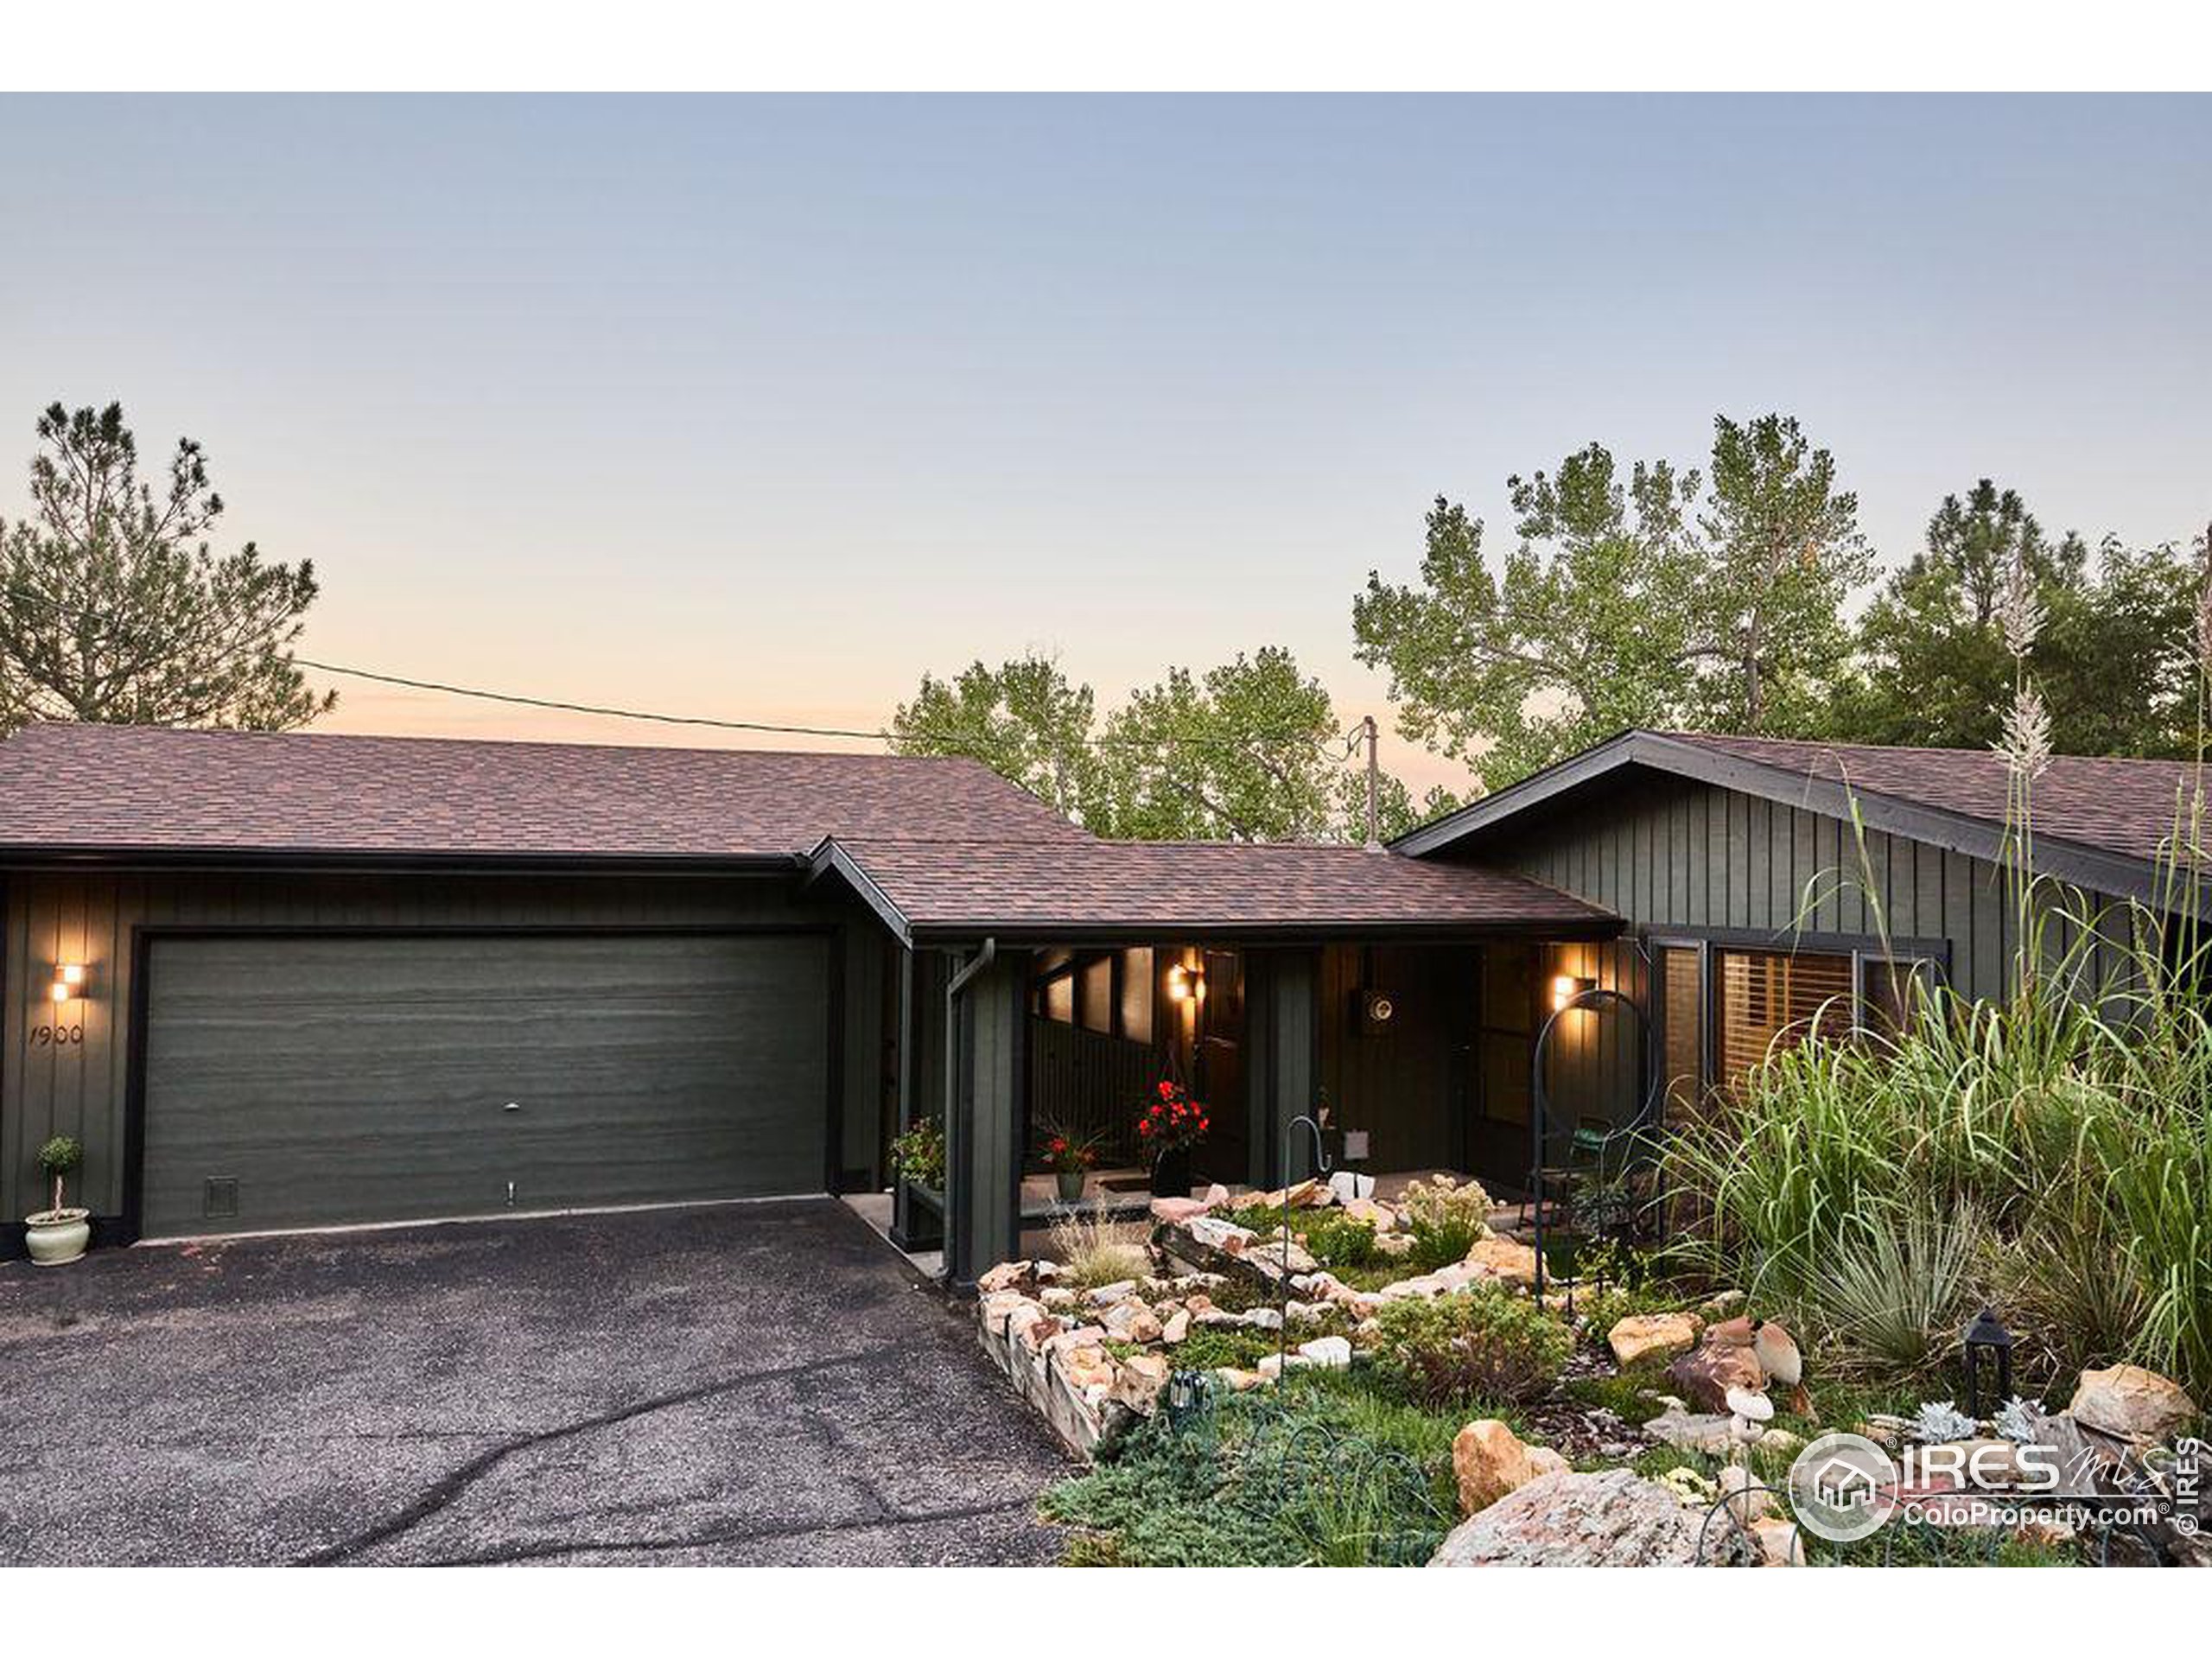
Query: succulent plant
x=1940, y=1421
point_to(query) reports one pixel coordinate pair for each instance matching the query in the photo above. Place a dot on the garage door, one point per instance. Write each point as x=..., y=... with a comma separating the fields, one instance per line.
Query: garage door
x=313, y=1081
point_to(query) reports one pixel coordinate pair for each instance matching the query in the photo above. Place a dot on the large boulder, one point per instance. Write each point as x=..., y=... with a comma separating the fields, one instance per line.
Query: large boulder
x=1653, y=1339
x=1706, y=1374
x=1505, y=1261
x=2131, y=1403
x=1613, y=1519
x=1488, y=1461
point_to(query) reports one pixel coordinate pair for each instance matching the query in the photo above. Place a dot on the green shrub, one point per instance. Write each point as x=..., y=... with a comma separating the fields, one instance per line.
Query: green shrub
x=1332, y=1238
x=919, y=1154
x=1321, y=1475
x=1483, y=1343
x=1209, y=1347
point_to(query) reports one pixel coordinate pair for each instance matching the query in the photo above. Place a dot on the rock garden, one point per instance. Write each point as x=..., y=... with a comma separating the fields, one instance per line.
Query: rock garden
x=1309, y=1377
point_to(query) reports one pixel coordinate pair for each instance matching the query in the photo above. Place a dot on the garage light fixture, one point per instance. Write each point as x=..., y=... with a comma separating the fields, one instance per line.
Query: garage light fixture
x=68, y=981
x=1185, y=984
x=1567, y=986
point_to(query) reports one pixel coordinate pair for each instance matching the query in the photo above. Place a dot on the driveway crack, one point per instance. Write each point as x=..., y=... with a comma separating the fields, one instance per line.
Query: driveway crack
x=450, y=1487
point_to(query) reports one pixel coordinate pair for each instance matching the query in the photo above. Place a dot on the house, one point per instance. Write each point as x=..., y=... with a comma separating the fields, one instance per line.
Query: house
x=285, y=980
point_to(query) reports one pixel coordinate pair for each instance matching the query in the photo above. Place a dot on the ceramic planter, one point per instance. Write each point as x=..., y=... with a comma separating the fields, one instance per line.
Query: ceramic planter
x=1070, y=1185
x=53, y=1236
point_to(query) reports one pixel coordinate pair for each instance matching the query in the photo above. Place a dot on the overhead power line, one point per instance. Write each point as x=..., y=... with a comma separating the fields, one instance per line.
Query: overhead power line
x=720, y=723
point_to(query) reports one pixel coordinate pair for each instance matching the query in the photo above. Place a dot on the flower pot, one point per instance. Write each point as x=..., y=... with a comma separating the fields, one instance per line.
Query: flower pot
x=53, y=1236
x=1070, y=1182
x=1171, y=1174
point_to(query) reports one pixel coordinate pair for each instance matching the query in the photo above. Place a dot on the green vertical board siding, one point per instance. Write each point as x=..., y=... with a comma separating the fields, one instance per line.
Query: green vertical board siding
x=334, y=1080
x=80, y=1088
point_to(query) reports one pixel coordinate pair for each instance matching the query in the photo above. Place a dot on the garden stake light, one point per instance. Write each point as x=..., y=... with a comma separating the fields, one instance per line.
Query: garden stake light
x=1988, y=1352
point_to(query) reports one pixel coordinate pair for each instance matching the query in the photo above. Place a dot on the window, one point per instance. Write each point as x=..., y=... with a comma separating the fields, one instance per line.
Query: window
x=1095, y=995
x=1771, y=999
x=1136, y=994
x=1681, y=1014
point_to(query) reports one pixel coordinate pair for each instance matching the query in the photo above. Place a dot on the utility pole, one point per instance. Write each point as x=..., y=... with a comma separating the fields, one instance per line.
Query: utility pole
x=1374, y=789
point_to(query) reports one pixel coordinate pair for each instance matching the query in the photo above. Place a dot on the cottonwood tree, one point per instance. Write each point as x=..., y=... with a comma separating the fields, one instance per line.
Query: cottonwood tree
x=1023, y=719
x=115, y=608
x=1588, y=626
x=1250, y=750
x=1779, y=551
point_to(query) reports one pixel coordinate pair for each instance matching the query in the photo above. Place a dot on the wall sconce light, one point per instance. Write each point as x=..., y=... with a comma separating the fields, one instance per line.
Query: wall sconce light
x=1567, y=986
x=68, y=981
x=1185, y=984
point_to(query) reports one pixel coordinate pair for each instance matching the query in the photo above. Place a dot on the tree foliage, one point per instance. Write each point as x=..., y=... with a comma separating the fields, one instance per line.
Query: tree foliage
x=1250, y=750
x=2111, y=661
x=1663, y=597
x=114, y=606
x=1023, y=719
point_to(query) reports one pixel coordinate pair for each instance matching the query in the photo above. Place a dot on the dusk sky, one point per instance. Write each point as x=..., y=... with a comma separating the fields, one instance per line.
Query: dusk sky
x=761, y=407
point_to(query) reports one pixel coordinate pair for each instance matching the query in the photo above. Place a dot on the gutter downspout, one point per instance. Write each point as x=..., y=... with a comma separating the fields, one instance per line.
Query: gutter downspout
x=956, y=1180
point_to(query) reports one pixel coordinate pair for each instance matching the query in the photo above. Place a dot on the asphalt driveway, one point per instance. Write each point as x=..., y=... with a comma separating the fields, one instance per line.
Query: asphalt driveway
x=756, y=1383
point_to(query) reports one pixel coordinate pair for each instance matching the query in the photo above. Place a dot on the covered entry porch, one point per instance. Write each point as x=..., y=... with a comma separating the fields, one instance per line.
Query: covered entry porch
x=1046, y=991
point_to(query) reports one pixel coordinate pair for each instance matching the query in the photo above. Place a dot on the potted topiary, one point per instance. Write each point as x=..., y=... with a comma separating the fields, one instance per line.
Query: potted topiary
x=58, y=1235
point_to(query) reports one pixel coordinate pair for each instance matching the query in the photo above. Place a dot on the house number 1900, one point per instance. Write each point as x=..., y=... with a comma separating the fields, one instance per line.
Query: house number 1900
x=56, y=1036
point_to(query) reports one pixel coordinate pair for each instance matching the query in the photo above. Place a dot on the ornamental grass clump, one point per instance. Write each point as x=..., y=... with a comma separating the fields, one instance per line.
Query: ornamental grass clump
x=2049, y=1151
x=1093, y=1248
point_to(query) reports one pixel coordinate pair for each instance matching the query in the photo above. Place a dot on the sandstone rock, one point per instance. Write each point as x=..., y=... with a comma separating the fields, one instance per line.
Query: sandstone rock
x=1545, y=1461
x=1706, y=1374
x=1176, y=1329
x=1039, y=1332
x=1008, y=1275
x=1138, y=1380
x=1261, y=1318
x=1781, y=1442
x=1488, y=1461
x=1002, y=1305
x=1308, y=1312
x=1087, y=1367
x=1271, y=1365
x=1132, y=1321
x=1395, y=1244
x=1778, y=1543
x=1732, y=1333
x=1712, y=1433
x=1612, y=1519
x=1330, y=1353
x=2131, y=1403
x=1239, y=1381
x=1082, y=1335
x=1107, y=1295
x=1057, y=1297
x=1747, y=1502
x=1653, y=1339
x=1377, y=1214
x=1275, y=1254
x=1201, y=1303
x=1504, y=1260
x=1216, y=1233
x=1178, y=1210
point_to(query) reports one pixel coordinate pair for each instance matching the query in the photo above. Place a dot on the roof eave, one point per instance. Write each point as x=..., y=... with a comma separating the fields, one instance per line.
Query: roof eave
x=1078, y=932
x=30, y=857
x=2091, y=867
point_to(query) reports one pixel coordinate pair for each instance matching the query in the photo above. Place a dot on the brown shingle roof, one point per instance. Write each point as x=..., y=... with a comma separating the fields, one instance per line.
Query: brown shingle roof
x=117, y=788
x=2119, y=806
x=1101, y=886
